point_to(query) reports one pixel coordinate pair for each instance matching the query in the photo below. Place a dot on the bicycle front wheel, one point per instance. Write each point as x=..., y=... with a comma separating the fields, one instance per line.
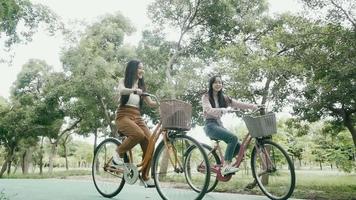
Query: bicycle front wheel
x=107, y=180
x=169, y=171
x=273, y=170
x=195, y=165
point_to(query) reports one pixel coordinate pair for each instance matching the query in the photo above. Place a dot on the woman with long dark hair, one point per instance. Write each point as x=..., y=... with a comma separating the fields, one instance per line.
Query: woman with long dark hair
x=128, y=115
x=215, y=104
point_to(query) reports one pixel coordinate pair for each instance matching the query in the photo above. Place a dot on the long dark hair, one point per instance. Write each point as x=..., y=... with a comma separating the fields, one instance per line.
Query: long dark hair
x=130, y=77
x=221, y=96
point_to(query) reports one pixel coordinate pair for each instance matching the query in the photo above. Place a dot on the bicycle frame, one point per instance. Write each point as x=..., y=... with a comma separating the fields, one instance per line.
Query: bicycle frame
x=239, y=158
x=150, y=147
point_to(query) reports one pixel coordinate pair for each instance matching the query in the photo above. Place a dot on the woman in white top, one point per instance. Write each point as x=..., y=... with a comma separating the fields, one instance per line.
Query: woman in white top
x=128, y=115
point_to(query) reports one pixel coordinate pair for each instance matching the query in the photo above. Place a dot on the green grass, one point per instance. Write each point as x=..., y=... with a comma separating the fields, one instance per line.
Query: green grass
x=55, y=174
x=323, y=185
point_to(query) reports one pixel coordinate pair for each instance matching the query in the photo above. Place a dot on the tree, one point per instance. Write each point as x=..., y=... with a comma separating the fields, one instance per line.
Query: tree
x=22, y=13
x=18, y=120
x=94, y=64
x=42, y=93
x=66, y=149
x=341, y=149
x=15, y=125
x=330, y=74
x=336, y=11
x=198, y=24
x=295, y=130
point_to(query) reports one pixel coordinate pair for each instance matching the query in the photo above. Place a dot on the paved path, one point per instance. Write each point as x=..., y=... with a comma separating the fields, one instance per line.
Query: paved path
x=65, y=189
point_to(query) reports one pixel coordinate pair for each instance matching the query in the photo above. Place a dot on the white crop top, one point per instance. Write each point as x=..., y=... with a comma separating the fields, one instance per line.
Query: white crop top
x=134, y=100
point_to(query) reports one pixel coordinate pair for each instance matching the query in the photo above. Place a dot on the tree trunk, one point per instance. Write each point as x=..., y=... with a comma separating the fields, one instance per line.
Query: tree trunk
x=10, y=158
x=41, y=156
x=300, y=163
x=164, y=164
x=97, y=164
x=3, y=168
x=22, y=160
x=9, y=167
x=113, y=127
x=66, y=150
x=65, y=155
x=54, y=144
x=245, y=166
x=95, y=139
x=26, y=160
x=320, y=165
x=350, y=126
x=6, y=163
x=51, y=157
x=15, y=169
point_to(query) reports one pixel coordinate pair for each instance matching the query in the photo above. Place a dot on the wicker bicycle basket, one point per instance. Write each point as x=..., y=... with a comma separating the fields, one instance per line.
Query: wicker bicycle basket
x=260, y=126
x=176, y=114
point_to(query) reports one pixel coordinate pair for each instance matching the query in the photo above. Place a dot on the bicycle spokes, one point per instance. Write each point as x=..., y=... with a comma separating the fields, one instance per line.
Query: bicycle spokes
x=108, y=179
x=273, y=170
x=175, y=173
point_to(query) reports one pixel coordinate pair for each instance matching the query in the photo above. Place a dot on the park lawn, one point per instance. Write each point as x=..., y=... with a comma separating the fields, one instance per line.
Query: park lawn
x=325, y=185
x=57, y=173
x=331, y=185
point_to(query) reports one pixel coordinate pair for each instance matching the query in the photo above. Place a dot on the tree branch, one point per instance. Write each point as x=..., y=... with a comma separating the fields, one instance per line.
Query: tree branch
x=345, y=13
x=69, y=128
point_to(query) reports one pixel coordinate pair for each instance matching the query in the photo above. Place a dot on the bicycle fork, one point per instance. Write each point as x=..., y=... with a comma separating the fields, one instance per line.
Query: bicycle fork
x=264, y=154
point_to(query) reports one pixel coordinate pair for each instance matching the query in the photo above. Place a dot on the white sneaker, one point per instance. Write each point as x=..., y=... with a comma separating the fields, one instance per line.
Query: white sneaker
x=228, y=169
x=117, y=161
x=148, y=183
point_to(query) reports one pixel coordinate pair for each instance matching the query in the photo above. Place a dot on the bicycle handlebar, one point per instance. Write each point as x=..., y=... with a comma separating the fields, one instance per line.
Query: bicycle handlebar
x=155, y=98
x=243, y=113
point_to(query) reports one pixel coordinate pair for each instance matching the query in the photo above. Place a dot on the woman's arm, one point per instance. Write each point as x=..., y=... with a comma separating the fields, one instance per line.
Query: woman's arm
x=150, y=102
x=236, y=104
x=123, y=90
x=208, y=110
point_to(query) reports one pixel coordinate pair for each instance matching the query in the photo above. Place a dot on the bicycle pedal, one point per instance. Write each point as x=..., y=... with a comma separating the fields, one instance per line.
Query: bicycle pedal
x=229, y=174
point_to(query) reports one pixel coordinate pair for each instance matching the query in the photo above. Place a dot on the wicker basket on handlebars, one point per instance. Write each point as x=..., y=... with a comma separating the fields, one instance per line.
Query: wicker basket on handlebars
x=261, y=126
x=176, y=114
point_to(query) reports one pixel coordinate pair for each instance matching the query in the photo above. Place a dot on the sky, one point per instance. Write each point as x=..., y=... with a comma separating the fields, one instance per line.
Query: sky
x=48, y=48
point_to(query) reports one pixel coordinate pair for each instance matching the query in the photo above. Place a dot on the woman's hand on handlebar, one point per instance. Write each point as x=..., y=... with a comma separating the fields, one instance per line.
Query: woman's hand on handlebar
x=138, y=91
x=145, y=94
x=227, y=110
x=149, y=101
x=260, y=107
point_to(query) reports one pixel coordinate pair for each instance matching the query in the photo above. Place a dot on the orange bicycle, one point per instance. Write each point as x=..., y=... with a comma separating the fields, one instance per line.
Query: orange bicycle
x=272, y=168
x=169, y=169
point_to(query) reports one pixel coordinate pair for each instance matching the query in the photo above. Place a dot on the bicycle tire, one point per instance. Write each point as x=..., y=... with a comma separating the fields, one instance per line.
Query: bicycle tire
x=280, y=182
x=172, y=175
x=213, y=161
x=107, y=182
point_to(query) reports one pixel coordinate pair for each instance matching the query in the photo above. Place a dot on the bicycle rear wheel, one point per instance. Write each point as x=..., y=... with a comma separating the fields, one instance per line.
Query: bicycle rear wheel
x=107, y=180
x=273, y=170
x=193, y=166
x=169, y=173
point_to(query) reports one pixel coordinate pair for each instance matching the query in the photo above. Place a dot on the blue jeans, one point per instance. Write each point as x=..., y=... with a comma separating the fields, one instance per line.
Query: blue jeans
x=217, y=132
